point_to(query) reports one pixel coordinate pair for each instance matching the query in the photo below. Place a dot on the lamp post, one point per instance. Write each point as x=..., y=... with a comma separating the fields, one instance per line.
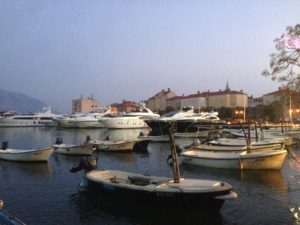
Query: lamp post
x=244, y=108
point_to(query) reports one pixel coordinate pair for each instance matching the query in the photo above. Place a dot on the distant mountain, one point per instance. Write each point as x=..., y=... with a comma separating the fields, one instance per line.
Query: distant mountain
x=13, y=101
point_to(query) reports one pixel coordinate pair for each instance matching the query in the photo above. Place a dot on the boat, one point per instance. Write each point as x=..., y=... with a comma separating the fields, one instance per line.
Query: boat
x=133, y=119
x=8, y=219
x=233, y=144
x=185, y=121
x=114, y=145
x=70, y=149
x=80, y=120
x=90, y=120
x=203, y=195
x=29, y=155
x=144, y=189
x=208, y=147
x=268, y=159
x=38, y=119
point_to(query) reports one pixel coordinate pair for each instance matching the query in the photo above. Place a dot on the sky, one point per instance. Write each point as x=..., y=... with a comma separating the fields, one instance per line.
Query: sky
x=115, y=50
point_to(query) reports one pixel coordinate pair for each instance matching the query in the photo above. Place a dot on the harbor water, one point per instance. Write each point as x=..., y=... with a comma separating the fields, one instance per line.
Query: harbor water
x=47, y=193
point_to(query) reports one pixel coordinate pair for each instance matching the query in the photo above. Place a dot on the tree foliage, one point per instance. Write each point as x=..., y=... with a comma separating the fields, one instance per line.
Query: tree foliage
x=285, y=63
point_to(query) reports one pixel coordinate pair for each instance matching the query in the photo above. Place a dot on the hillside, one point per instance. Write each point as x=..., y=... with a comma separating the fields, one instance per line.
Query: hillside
x=13, y=101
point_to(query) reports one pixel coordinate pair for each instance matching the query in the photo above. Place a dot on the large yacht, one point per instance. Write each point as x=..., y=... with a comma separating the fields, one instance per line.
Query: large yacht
x=133, y=119
x=38, y=119
x=185, y=120
x=81, y=120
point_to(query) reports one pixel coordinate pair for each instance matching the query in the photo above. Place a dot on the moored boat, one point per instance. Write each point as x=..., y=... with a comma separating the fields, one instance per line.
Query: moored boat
x=29, y=155
x=272, y=159
x=8, y=219
x=38, y=119
x=69, y=149
x=133, y=119
x=202, y=195
x=145, y=190
x=110, y=145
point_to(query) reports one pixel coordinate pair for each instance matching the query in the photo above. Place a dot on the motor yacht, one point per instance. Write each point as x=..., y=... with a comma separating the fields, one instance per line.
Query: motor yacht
x=135, y=119
x=38, y=119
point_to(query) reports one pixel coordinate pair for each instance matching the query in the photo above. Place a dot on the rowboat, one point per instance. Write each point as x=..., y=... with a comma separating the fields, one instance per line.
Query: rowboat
x=202, y=195
x=228, y=148
x=110, y=145
x=145, y=190
x=28, y=155
x=69, y=149
x=272, y=159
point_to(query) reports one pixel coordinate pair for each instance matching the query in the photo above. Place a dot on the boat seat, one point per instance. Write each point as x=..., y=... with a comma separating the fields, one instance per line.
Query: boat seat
x=118, y=180
x=138, y=180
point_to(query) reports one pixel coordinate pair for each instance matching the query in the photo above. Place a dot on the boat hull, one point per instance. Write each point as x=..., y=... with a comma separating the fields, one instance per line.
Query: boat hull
x=234, y=160
x=74, y=149
x=115, y=145
x=170, y=198
x=26, y=155
x=227, y=148
x=123, y=123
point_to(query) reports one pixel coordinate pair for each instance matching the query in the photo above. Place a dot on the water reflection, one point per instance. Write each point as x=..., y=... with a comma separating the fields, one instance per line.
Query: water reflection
x=265, y=178
x=35, y=169
x=104, y=210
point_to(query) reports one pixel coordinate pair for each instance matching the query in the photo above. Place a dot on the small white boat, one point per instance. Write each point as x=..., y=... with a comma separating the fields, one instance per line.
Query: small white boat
x=107, y=145
x=272, y=159
x=243, y=141
x=202, y=195
x=69, y=149
x=208, y=147
x=31, y=155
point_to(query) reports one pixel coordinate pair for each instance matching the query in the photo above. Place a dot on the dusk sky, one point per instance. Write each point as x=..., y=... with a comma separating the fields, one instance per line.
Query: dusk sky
x=57, y=51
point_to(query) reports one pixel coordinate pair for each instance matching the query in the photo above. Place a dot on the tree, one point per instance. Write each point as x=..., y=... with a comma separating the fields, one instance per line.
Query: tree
x=285, y=64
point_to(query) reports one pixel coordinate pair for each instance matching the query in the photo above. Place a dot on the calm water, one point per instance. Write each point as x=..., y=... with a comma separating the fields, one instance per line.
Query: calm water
x=46, y=193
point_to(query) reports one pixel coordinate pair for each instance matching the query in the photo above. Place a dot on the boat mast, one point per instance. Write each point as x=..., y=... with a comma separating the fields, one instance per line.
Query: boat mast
x=175, y=165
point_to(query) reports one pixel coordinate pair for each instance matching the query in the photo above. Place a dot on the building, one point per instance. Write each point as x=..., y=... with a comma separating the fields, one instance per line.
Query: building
x=85, y=105
x=197, y=101
x=125, y=106
x=226, y=98
x=158, y=102
x=278, y=95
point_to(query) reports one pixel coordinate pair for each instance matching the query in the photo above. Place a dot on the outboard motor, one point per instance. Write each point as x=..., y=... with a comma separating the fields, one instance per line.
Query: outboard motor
x=87, y=139
x=87, y=164
x=4, y=145
x=58, y=141
x=107, y=138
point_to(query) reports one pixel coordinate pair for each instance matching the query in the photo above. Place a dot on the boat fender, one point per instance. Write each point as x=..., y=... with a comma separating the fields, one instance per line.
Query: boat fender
x=4, y=145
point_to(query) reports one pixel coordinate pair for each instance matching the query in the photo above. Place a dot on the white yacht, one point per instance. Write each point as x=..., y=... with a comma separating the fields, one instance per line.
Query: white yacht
x=185, y=120
x=38, y=119
x=133, y=119
x=80, y=120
